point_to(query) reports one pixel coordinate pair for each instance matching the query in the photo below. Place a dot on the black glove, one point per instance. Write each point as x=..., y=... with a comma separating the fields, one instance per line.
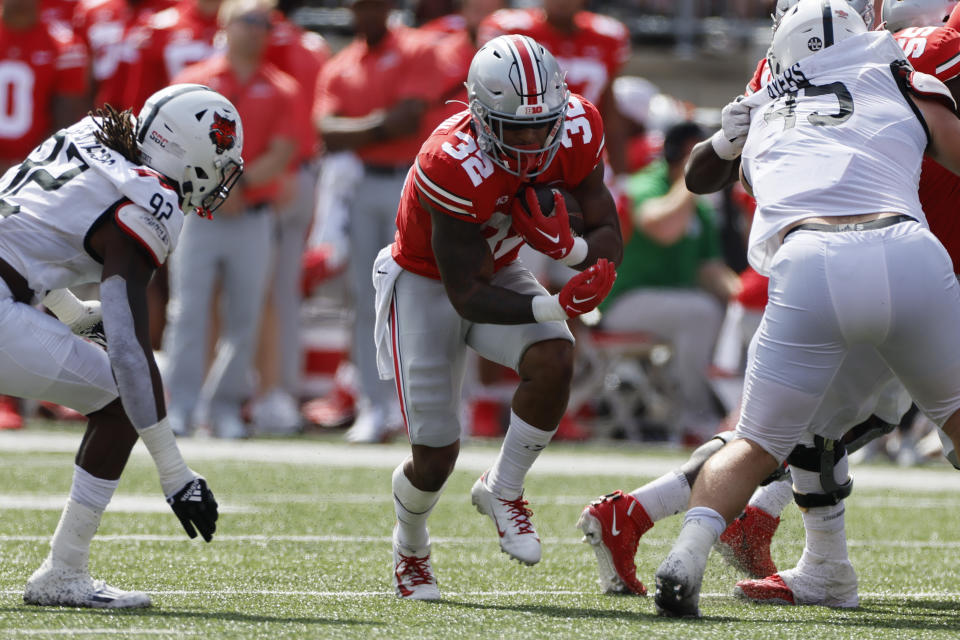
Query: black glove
x=195, y=506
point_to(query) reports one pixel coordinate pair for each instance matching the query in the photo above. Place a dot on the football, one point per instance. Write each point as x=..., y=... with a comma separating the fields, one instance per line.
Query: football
x=574, y=212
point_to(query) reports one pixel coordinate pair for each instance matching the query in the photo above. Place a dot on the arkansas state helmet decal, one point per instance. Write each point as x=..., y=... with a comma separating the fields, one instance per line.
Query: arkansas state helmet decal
x=223, y=132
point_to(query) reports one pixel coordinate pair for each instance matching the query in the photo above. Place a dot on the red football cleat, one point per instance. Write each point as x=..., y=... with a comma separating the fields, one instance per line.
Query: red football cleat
x=10, y=417
x=746, y=542
x=613, y=525
x=769, y=590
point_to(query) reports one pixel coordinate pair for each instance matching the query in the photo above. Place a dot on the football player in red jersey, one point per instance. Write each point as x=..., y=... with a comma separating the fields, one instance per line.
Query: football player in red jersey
x=591, y=49
x=44, y=82
x=166, y=43
x=103, y=25
x=451, y=281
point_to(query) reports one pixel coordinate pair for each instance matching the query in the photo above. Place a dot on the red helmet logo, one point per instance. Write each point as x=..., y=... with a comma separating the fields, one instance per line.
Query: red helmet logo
x=223, y=132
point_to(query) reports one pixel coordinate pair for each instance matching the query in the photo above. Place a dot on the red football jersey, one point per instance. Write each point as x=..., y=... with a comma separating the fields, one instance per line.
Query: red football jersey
x=57, y=10
x=36, y=64
x=936, y=50
x=457, y=178
x=103, y=25
x=165, y=44
x=592, y=56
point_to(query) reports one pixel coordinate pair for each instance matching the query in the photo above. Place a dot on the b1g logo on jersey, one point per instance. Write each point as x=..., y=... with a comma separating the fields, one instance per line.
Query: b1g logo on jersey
x=223, y=132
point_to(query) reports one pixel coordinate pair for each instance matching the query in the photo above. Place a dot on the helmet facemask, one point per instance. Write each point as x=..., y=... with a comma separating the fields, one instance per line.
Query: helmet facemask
x=514, y=83
x=519, y=160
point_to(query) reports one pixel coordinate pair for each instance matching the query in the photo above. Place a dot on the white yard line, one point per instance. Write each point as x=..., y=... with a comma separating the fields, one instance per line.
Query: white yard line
x=97, y=632
x=628, y=468
x=121, y=503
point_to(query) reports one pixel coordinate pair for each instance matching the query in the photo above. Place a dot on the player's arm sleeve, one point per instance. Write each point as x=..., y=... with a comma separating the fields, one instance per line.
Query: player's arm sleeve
x=953, y=22
x=123, y=295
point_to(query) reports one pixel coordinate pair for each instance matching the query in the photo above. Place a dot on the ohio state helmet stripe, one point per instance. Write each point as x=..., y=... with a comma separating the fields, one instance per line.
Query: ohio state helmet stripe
x=827, y=7
x=526, y=62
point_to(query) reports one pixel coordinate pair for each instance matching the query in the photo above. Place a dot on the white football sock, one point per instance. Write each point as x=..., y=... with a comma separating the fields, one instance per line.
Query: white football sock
x=91, y=491
x=71, y=541
x=666, y=496
x=412, y=507
x=773, y=498
x=826, y=535
x=521, y=448
x=824, y=526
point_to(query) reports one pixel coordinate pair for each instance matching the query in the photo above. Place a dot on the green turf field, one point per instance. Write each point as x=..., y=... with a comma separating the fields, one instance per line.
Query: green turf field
x=303, y=551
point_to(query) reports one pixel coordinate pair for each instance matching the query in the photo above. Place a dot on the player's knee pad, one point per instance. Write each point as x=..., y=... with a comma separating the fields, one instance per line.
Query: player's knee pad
x=820, y=473
x=701, y=454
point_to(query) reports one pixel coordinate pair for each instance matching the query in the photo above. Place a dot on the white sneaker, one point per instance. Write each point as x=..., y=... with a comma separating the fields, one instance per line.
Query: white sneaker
x=413, y=577
x=276, y=412
x=518, y=538
x=370, y=427
x=229, y=426
x=60, y=586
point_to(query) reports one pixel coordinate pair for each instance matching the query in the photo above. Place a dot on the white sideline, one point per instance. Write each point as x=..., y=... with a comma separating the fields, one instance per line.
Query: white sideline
x=97, y=632
x=899, y=595
x=627, y=467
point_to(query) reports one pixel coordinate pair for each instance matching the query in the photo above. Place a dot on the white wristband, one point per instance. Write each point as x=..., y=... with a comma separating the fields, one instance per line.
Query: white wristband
x=723, y=147
x=577, y=254
x=162, y=445
x=66, y=306
x=548, y=309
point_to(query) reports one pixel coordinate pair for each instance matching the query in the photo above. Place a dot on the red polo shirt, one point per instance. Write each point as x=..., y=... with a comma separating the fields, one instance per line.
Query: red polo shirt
x=262, y=102
x=360, y=80
x=301, y=54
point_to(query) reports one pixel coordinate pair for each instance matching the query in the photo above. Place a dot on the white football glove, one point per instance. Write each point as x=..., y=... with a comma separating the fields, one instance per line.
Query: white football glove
x=734, y=127
x=90, y=324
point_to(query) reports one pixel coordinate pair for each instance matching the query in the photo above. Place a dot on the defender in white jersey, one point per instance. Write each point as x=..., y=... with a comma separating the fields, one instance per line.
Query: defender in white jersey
x=849, y=267
x=101, y=201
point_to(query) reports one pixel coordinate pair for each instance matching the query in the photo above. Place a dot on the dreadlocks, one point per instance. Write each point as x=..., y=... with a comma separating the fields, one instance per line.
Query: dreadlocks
x=117, y=131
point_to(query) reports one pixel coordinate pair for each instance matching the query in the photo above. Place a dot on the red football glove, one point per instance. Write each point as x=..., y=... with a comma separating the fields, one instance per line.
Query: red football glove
x=549, y=235
x=584, y=291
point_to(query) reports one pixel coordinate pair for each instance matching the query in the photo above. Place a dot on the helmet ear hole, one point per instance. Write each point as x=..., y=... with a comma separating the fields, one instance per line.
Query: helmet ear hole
x=201, y=173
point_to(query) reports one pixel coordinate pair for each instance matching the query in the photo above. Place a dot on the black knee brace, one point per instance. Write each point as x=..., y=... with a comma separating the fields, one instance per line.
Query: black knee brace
x=821, y=458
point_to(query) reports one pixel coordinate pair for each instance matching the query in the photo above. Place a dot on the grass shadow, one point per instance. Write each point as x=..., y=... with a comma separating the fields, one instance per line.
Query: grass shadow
x=179, y=614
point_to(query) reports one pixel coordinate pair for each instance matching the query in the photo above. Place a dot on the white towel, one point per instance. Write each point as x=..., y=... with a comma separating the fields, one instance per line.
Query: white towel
x=385, y=273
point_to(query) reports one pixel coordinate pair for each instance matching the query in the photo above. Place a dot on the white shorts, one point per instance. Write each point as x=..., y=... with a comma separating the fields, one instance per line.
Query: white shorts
x=841, y=306
x=41, y=359
x=428, y=342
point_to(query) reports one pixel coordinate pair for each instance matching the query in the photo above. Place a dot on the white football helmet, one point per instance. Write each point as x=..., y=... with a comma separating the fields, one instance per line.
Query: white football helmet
x=863, y=7
x=514, y=82
x=900, y=14
x=192, y=135
x=808, y=27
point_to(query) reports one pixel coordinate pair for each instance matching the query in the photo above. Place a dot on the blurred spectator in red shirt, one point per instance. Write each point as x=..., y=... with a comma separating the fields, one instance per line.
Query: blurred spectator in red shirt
x=237, y=245
x=166, y=43
x=103, y=25
x=43, y=80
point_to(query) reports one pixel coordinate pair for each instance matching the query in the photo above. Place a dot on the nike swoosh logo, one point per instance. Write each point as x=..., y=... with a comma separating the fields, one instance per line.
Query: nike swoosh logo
x=613, y=526
x=549, y=237
x=577, y=300
x=499, y=530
